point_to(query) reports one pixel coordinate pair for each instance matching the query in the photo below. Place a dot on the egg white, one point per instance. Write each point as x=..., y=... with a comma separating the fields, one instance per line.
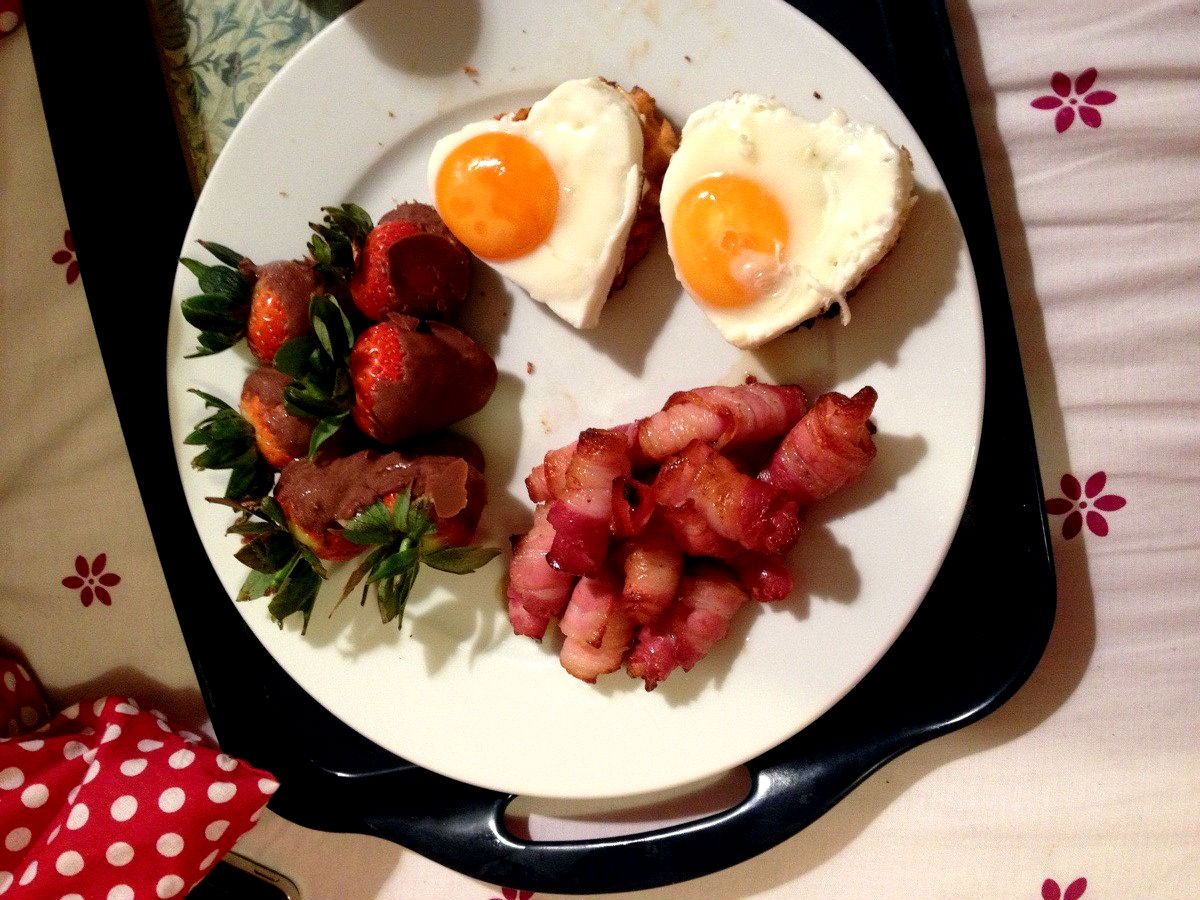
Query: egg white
x=591, y=136
x=844, y=186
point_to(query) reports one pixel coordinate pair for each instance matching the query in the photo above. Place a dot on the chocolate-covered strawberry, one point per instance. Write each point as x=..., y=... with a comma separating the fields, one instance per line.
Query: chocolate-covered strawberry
x=412, y=376
x=279, y=305
x=411, y=264
x=281, y=435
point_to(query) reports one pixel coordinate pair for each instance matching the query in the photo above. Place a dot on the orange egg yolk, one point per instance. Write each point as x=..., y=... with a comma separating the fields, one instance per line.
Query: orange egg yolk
x=728, y=238
x=498, y=194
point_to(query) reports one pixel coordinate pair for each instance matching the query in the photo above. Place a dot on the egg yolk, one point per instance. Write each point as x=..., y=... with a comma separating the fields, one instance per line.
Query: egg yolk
x=728, y=238
x=498, y=194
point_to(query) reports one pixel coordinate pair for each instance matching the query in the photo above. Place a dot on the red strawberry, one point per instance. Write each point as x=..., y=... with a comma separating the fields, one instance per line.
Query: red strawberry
x=412, y=377
x=411, y=264
x=280, y=435
x=279, y=306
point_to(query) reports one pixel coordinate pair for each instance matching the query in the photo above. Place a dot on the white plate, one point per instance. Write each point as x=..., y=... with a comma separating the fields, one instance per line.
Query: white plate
x=353, y=117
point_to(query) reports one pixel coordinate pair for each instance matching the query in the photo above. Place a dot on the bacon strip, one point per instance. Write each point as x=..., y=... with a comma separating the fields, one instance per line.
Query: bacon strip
x=582, y=515
x=738, y=507
x=699, y=618
x=722, y=416
x=596, y=629
x=695, y=537
x=536, y=592
x=828, y=449
x=548, y=479
x=652, y=563
x=766, y=577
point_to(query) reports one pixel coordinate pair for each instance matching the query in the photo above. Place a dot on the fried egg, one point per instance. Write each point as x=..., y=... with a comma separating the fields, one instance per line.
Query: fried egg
x=771, y=218
x=548, y=200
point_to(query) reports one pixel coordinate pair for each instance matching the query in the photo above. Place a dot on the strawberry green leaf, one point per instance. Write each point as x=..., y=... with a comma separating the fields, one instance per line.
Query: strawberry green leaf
x=296, y=593
x=295, y=355
x=337, y=240
x=372, y=525
x=392, y=596
x=398, y=563
x=325, y=428
x=400, y=507
x=460, y=560
x=332, y=327
x=211, y=343
x=270, y=510
x=223, y=253
x=256, y=585
x=214, y=312
x=228, y=442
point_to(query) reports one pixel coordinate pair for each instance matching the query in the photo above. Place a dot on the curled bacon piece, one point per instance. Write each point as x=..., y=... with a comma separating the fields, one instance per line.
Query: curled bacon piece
x=766, y=577
x=596, y=629
x=582, y=515
x=694, y=536
x=699, y=618
x=652, y=563
x=829, y=448
x=549, y=478
x=722, y=416
x=537, y=592
x=738, y=507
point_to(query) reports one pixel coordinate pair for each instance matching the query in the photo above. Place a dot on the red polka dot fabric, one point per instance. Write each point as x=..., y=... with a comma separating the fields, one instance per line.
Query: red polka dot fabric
x=107, y=801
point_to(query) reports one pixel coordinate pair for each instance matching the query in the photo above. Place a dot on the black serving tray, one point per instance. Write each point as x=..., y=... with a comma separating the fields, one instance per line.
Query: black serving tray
x=972, y=643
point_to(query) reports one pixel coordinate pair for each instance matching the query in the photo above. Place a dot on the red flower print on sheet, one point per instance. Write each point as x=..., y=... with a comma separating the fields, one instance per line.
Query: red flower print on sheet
x=1068, y=101
x=514, y=894
x=1051, y=890
x=1076, y=502
x=92, y=581
x=10, y=16
x=66, y=257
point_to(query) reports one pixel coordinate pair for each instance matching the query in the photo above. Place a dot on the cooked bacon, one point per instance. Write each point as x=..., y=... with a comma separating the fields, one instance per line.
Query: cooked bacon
x=738, y=507
x=548, y=479
x=695, y=537
x=722, y=416
x=708, y=599
x=829, y=448
x=537, y=592
x=633, y=505
x=764, y=576
x=596, y=629
x=582, y=515
x=652, y=563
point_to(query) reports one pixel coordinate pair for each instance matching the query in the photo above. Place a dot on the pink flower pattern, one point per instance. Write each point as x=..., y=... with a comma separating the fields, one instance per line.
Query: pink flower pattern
x=1076, y=501
x=1067, y=101
x=66, y=257
x=92, y=581
x=514, y=894
x=1051, y=890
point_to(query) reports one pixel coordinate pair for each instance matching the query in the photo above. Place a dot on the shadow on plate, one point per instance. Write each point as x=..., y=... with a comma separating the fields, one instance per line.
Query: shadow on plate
x=424, y=37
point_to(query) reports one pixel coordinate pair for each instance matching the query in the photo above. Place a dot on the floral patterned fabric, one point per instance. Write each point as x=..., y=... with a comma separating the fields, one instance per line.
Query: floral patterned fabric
x=1084, y=785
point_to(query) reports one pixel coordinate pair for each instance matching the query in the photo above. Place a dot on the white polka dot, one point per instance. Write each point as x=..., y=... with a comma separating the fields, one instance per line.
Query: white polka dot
x=92, y=772
x=29, y=715
x=221, y=791
x=42, y=729
x=29, y=874
x=158, y=714
x=78, y=816
x=146, y=745
x=170, y=844
x=71, y=897
x=190, y=737
x=18, y=839
x=71, y=712
x=89, y=731
x=6, y=880
x=209, y=860
x=32, y=745
x=226, y=763
x=171, y=799
x=73, y=749
x=11, y=778
x=69, y=863
x=169, y=886
x=98, y=706
x=119, y=853
x=215, y=829
x=181, y=759
x=35, y=795
x=89, y=756
x=163, y=726
x=52, y=835
x=135, y=766
x=268, y=785
x=127, y=709
x=10, y=680
x=24, y=672
x=111, y=733
x=258, y=812
x=120, y=892
x=124, y=807
x=74, y=793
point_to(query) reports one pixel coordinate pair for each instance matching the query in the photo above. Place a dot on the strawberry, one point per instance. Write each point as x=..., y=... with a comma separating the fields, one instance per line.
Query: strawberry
x=229, y=442
x=411, y=264
x=281, y=436
x=411, y=377
x=279, y=306
x=221, y=308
